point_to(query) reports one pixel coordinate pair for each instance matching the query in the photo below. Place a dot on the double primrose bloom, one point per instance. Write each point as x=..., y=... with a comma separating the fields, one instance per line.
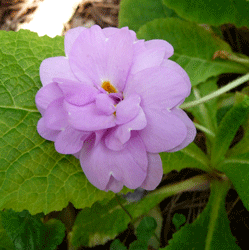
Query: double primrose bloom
x=112, y=101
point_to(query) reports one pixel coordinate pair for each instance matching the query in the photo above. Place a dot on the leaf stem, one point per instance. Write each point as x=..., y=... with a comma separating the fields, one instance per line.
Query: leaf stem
x=199, y=182
x=217, y=93
x=126, y=211
x=204, y=129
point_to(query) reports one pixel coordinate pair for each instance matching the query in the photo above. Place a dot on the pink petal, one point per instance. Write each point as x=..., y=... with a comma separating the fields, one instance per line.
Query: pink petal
x=117, y=137
x=191, y=130
x=154, y=172
x=46, y=95
x=76, y=93
x=70, y=38
x=105, y=104
x=114, y=185
x=88, y=117
x=174, y=67
x=70, y=141
x=127, y=109
x=54, y=67
x=164, y=131
x=45, y=132
x=158, y=87
x=55, y=116
x=152, y=55
x=101, y=58
x=129, y=166
x=157, y=43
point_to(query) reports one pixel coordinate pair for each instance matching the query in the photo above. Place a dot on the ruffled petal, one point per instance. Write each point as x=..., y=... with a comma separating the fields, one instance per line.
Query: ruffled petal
x=158, y=87
x=55, y=67
x=164, y=131
x=127, y=109
x=101, y=58
x=55, y=115
x=174, y=67
x=191, y=130
x=46, y=95
x=154, y=172
x=105, y=104
x=70, y=141
x=129, y=166
x=114, y=185
x=88, y=117
x=158, y=44
x=76, y=93
x=70, y=38
x=45, y=132
x=117, y=137
x=152, y=55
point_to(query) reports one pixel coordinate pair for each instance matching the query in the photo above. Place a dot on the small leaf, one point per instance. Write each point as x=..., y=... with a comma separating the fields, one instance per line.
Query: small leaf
x=138, y=245
x=194, y=48
x=212, y=12
x=178, y=220
x=211, y=229
x=189, y=157
x=227, y=130
x=117, y=245
x=146, y=228
x=53, y=234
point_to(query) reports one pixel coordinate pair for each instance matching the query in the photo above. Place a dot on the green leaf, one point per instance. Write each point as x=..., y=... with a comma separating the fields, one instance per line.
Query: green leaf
x=211, y=229
x=144, y=232
x=237, y=170
x=146, y=228
x=189, y=157
x=5, y=241
x=178, y=220
x=102, y=222
x=28, y=232
x=134, y=14
x=117, y=245
x=227, y=130
x=242, y=146
x=138, y=245
x=212, y=12
x=194, y=48
x=24, y=230
x=33, y=175
x=53, y=234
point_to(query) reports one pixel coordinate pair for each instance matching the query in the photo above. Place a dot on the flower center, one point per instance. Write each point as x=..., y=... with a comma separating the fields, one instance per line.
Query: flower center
x=106, y=85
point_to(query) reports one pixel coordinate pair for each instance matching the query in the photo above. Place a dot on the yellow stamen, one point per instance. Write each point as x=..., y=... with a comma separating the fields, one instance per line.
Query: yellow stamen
x=106, y=85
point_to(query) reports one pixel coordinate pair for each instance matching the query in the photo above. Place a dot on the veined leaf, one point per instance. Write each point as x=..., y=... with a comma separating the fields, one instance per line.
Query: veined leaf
x=194, y=48
x=33, y=175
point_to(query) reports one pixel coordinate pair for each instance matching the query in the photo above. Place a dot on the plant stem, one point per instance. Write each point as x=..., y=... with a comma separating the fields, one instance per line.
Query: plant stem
x=204, y=129
x=217, y=93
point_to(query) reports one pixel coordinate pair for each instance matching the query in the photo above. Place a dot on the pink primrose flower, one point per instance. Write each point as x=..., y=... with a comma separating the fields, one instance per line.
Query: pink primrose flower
x=113, y=101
